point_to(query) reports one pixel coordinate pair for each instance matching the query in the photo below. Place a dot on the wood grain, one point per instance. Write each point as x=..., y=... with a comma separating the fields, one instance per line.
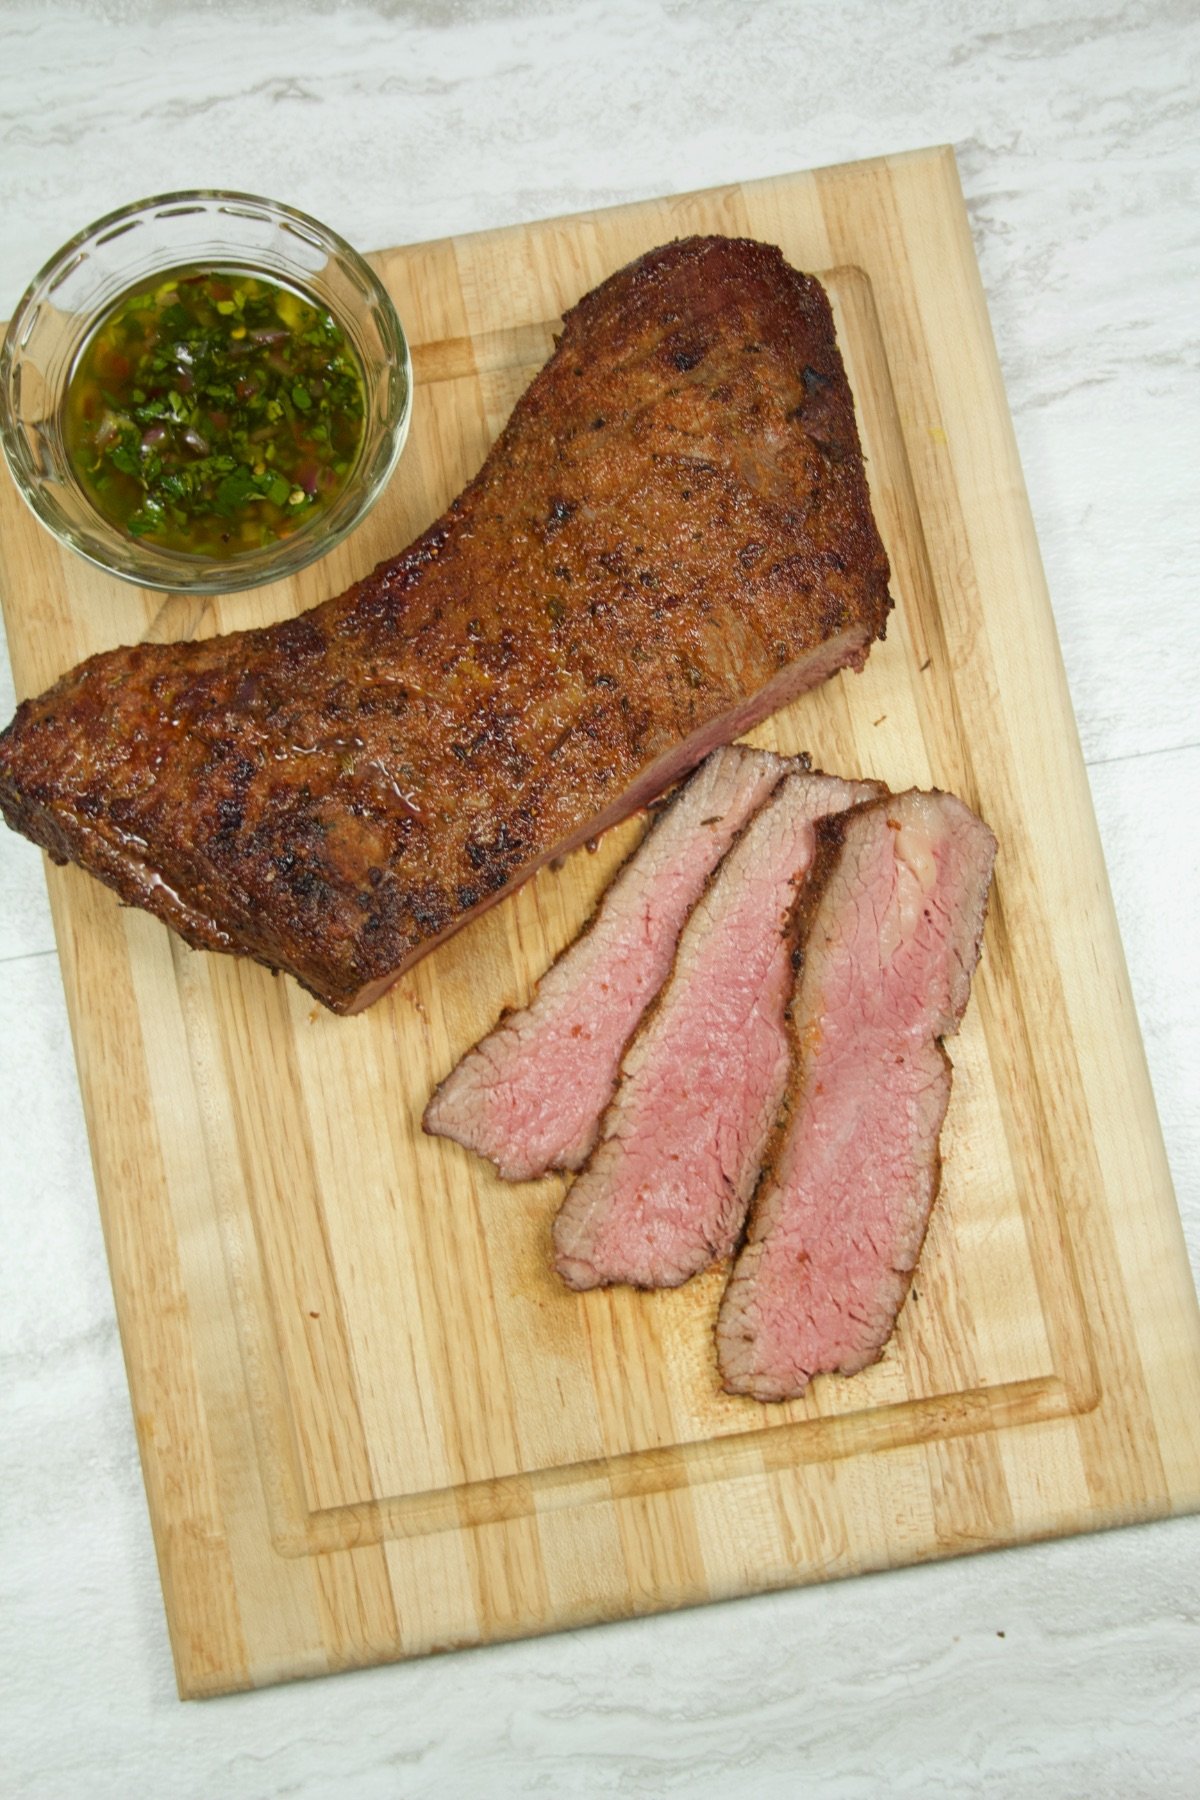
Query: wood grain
x=372, y=1424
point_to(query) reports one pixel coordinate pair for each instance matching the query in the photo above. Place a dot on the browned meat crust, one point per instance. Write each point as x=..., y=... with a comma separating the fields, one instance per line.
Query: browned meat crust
x=671, y=537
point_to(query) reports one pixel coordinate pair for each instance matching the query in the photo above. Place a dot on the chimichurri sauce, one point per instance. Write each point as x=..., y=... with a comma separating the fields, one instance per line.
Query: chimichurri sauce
x=213, y=411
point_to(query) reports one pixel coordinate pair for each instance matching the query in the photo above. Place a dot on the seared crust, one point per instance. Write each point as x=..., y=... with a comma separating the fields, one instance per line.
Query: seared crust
x=670, y=537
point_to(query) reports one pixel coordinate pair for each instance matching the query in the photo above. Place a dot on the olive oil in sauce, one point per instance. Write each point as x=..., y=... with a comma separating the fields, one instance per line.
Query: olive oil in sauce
x=214, y=411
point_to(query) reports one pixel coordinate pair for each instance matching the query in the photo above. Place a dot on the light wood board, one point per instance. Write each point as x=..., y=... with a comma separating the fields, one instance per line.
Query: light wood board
x=372, y=1423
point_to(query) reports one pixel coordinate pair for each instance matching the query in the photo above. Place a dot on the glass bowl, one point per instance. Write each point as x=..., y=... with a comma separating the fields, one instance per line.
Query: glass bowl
x=77, y=286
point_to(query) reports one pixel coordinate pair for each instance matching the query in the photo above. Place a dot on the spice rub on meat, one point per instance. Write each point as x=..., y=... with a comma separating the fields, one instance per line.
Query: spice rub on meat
x=671, y=538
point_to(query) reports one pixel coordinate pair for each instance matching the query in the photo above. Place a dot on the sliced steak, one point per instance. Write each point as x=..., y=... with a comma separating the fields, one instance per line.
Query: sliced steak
x=671, y=538
x=841, y=1210
x=529, y=1095
x=666, y=1188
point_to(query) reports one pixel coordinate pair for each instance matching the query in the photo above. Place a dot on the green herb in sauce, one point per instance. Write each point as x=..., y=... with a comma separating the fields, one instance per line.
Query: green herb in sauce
x=213, y=411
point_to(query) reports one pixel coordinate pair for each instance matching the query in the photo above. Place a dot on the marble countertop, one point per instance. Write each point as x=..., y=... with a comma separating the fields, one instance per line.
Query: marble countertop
x=1057, y=1670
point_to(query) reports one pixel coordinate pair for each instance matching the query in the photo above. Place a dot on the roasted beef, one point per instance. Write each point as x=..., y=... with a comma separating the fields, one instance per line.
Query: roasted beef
x=671, y=538
x=666, y=1188
x=896, y=910
x=529, y=1095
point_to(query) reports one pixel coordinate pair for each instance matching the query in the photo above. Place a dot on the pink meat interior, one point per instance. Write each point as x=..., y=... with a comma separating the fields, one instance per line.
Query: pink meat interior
x=667, y=1187
x=840, y=1222
x=530, y=1095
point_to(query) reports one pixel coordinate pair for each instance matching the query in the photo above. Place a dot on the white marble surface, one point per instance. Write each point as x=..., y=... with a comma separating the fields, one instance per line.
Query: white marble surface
x=1065, y=1670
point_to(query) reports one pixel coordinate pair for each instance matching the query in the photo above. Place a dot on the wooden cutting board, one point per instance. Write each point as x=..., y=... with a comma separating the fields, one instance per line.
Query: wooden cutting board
x=372, y=1423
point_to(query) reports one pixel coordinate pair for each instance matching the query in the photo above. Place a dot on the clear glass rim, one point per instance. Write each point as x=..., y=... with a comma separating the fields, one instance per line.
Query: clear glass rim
x=257, y=568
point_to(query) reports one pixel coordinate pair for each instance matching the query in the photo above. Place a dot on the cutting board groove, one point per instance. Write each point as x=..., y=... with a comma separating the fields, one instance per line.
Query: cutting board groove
x=372, y=1424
